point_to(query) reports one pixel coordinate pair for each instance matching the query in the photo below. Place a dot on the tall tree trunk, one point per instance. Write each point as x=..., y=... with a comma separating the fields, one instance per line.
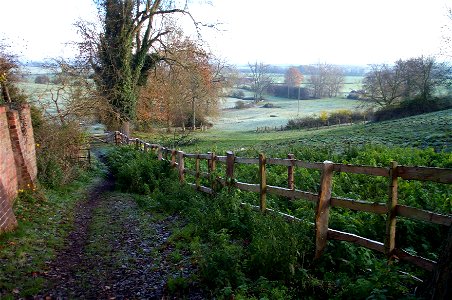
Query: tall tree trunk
x=125, y=127
x=194, y=113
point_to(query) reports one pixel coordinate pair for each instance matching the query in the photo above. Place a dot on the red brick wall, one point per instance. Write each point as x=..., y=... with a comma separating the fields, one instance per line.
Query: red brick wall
x=18, y=168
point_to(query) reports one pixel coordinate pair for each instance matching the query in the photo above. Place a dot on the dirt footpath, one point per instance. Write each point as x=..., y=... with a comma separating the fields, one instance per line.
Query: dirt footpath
x=118, y=251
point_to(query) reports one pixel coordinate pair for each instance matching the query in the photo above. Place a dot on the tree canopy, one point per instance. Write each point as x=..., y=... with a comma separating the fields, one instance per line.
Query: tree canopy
x=293, y=78
x=126, y=48
x=261, y=79
x=184, y=89
x=326, y=80
x=418, y=77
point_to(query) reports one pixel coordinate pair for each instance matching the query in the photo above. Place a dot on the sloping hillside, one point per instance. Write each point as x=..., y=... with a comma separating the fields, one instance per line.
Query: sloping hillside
x=422, y=131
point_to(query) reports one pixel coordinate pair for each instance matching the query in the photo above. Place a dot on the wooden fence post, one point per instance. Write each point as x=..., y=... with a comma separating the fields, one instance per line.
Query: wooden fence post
x=229, y=169
x=391, y=210
x=262, y=183
x=212, y=168
x=145, y=148
x=160, y=153
x=290, y=176
x=173, y=158
x=137, y=144
x=209, y=159
x=323, y=208
x=116, y=138
x=197, y=175
x=89, y=156
x=181, y=166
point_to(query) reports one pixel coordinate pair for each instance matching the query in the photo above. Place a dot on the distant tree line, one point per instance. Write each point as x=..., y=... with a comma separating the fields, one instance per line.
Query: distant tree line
x=348, y=70
x=283, y=91
x=409, y=87
x=419, y=77
x=338, y=117
x=325, y=81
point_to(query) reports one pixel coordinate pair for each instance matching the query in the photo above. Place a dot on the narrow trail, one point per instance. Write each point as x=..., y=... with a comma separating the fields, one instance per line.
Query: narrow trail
x=118, y=251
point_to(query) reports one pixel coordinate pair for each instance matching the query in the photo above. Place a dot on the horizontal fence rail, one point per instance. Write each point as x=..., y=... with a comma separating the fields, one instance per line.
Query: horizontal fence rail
x=323, y=199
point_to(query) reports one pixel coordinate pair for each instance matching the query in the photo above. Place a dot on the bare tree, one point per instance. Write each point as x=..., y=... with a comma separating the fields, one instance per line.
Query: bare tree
x=384, y=85
x=326, y=80
x=335, y=80
x=9, y=68
x=446, y=46
x=261, y=79
x=415, y=78
x=73, y=95
x=422, y=76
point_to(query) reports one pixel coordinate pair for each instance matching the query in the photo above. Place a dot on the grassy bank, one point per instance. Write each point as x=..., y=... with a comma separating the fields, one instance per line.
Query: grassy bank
x=45, y=217
x=431, y=130
x=248, y=255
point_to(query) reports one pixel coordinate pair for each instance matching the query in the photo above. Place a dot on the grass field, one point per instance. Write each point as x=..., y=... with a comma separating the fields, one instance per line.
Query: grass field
x=284, y=109
x=39, y=94
x=432, y=130
x=250, y=118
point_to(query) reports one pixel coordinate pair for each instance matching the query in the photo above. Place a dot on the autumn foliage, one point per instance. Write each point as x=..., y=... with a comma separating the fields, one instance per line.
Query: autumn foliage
x=183, y=90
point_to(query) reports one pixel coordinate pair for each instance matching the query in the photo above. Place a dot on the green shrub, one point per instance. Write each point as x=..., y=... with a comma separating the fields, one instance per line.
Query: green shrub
x=277, y=248
x=246, y=254
x=412, y=107
x=342, y=116
x=57, y=151
x=221, y=261
x=138, y=172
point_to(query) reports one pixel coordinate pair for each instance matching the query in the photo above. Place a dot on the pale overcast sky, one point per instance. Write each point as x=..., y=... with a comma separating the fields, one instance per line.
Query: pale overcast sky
x=275, y=32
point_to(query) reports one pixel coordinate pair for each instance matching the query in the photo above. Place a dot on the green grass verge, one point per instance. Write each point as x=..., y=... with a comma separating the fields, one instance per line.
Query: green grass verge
x=248, y=255
x=45, y=218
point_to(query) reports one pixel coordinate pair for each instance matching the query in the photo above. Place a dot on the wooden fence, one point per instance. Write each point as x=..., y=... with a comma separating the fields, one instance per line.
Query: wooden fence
x=323, y=199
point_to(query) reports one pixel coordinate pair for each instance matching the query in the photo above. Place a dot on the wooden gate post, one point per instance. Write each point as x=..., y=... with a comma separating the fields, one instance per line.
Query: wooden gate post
x=391, y=211
x=323, y=208
x=290, y=176
x=262, y=183
x=180, y=155
x=229, y=169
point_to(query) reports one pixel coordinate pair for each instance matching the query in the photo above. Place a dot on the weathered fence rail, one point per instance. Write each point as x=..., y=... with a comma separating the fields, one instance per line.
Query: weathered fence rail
x=323, y=199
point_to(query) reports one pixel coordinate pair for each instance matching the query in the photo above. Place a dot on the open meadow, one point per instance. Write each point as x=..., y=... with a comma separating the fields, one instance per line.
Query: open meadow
x=433, y=130
x=283, y=110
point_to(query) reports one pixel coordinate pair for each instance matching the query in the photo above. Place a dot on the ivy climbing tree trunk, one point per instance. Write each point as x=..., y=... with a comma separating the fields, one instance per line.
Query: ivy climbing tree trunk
x=124, y=51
